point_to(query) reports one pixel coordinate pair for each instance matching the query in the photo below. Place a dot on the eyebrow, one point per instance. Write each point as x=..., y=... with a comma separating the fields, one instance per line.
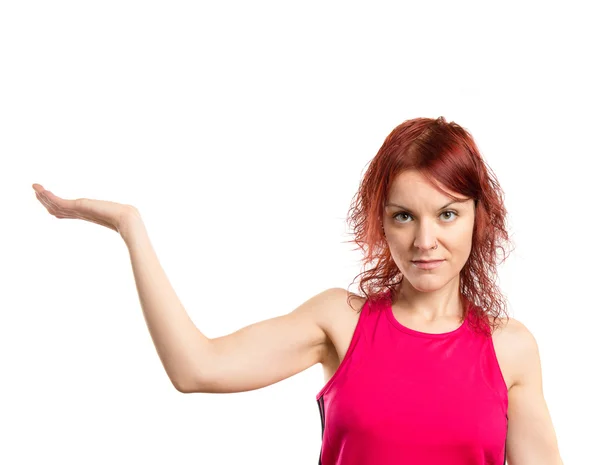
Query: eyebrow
x=409, y=211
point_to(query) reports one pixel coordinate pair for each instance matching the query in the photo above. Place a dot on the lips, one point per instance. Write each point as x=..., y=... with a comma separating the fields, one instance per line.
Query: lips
x=428, y=265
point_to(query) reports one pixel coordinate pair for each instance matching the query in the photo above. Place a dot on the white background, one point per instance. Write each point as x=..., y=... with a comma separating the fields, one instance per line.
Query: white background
x=240, y=132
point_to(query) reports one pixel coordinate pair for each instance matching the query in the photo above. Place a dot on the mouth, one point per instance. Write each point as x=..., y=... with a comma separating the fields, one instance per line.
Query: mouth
x=427, y=264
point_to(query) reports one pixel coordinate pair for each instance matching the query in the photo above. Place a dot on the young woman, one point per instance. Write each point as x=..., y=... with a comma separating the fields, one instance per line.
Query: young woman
x=420, y=366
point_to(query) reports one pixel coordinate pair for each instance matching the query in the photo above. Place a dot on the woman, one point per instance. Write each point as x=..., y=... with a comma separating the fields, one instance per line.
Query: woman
x=420, y=367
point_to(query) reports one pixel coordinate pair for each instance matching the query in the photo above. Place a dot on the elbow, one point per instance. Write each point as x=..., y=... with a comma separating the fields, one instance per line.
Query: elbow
x=180, y=388
x=193, y=379
x=186, y=387
x=191, y=384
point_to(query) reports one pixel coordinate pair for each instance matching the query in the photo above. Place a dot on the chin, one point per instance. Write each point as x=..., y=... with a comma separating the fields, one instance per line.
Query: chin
x=426, y=283
x=427, y=288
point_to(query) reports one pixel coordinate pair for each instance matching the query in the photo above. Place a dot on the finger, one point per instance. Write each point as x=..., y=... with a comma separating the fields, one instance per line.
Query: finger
x=44, y=201
x=58, y=201
x=69, y=213
x=55, y=205
x=65, y=206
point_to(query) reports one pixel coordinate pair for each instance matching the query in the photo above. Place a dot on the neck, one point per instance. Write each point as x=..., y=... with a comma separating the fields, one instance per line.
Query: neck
x=442, y=304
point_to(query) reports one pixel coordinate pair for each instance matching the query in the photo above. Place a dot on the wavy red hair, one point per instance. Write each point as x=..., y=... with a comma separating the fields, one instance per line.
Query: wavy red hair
x=446, y=154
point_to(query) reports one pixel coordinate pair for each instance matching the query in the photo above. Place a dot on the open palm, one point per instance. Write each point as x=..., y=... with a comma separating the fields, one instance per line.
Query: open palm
x=109, y=214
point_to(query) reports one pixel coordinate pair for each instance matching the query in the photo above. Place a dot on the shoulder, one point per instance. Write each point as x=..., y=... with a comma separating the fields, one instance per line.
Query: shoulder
x=525, y=352
x=334, y=305
x=519, y=348
x=520, y=337
x=339, y=319
x=344, y=300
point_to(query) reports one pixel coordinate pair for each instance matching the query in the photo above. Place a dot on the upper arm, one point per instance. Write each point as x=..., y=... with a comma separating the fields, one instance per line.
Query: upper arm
x=269, y=351
x=531, y=437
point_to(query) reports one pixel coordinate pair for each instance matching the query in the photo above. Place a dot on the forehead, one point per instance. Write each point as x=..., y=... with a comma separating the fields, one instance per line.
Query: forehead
x=410, y=187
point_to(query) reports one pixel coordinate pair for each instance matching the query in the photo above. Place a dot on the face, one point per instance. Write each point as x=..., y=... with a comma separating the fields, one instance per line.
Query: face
x=416, y=218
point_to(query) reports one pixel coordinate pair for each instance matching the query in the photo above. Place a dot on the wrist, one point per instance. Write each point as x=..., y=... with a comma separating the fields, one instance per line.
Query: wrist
x=131, y=225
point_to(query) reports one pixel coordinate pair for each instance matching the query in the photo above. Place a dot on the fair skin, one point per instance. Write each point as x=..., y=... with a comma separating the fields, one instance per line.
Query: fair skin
x=320, y=329
x=414, y=224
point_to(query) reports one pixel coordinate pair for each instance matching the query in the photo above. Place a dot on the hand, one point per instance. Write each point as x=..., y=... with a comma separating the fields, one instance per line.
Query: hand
x=115, y=216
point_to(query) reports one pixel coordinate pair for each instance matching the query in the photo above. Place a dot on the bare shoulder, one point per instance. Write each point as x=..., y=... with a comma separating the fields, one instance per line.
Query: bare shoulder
x=513, y=329
x=515, y=348
x=343, y=307
x=339, y=323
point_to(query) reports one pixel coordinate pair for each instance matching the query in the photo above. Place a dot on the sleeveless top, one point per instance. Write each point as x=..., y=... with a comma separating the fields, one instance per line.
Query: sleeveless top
x=401, y=396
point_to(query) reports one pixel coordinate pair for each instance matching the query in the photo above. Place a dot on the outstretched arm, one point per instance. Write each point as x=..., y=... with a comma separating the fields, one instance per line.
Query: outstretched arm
x=252, y=357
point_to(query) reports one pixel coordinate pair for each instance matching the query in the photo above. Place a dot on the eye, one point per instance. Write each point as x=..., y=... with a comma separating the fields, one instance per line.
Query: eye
x=400, y=214
x=449, y=211
x=408, y=214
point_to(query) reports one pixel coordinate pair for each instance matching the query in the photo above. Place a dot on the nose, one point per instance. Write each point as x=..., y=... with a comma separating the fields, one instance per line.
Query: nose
x=426, y=237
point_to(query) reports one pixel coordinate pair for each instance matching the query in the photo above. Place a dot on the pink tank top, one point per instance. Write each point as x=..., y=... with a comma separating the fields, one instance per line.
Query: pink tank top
x=402, y=396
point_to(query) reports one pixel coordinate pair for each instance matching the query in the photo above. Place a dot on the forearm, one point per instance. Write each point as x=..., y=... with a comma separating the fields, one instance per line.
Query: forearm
x=179, y=343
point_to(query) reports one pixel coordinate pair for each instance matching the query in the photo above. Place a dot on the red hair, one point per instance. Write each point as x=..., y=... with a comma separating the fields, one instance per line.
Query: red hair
x=446, y=154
